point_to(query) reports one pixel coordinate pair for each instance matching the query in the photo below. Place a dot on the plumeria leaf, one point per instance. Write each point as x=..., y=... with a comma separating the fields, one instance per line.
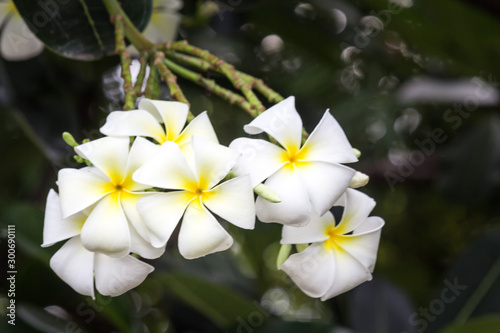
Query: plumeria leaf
x=483, y=324
x=216, y=302
x=472, y=286
x=380, y=303
x=79, y=29
x=42, y=321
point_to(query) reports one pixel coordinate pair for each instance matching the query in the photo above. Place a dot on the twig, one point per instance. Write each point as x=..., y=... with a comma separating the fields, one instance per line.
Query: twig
x=140, y=77
x=171, y=80
x=152, y=84
x=121, y=50
x=211, y=86
x=223, y=67
x=189, y=60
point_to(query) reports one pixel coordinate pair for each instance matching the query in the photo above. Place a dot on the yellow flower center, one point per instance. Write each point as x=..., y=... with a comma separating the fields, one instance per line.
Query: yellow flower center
x=294, y=157
x=198, y=192
x=331, y=243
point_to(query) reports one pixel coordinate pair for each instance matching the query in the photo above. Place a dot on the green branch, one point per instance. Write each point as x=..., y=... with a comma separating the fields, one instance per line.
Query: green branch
x=140, y=77
x=171, y=80
x=133, y=35
x=224, y=68
x=129, y=103
x=211, y=86
x=153, y=83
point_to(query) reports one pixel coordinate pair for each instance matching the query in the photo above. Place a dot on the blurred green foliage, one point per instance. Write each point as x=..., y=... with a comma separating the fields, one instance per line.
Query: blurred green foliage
x=366, y=61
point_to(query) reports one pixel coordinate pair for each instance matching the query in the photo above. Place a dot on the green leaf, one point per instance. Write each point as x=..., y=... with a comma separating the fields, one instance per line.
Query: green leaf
x=472, y=287
x=43, y=321
x=26, y=221
x=79, y=29
x=484, y=324
x=281, y=326
x=222, y=306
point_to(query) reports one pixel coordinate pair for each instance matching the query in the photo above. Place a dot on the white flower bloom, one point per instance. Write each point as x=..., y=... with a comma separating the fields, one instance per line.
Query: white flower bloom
x=163, y=25
x=165, y=19
x=77, y=266
x=17, y=41
x=341, y=255
x=197, y=190
x=309, y=178
x=107, y=190
x=160, y=120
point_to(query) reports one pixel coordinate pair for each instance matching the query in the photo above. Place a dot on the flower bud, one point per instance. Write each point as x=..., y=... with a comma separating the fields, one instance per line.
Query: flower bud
x=359, y=180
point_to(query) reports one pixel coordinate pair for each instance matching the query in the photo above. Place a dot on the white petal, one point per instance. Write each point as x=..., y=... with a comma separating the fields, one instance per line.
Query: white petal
x=133, y=123
x=106, y=229
x=115, y=276
x=356, y=210
x=142, y=247
x=325, y=183
x=312, y=270
x=79, y=189
x=108, y=154
x=233, y=201
x=18, y=42
x=282, y=122
x=259, y=158
x=162, y=27
x=328, y=143
x=75, y=266
x=200, y=127
x=128, y=202
x=213, y=161
x=314, y=231
x=6, y=10
x=294, y=208
x=201, y=234
x=161, y=213
x=349, y=273
x=140, y=152
x=167, y=168
x=172, y=114
x=55, y=228
x=363, y=243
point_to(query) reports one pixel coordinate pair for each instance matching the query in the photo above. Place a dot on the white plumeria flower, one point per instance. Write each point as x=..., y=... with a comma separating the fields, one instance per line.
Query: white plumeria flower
x=342, y=255
x=77, y=266
x=197, y=190
x=17, y=41
x=309, y=178
x=165, y=19
x=108, y=189
x=163, y=24
x=160, y=120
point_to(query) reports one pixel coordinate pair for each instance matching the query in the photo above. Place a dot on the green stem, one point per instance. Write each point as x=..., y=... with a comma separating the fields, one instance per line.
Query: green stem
x=189, y=60
x=133, y=35
x=152, y=85
x=121, y=49
x=171, y=80
x=223, y=67
x=140, y=77
x=211, y=86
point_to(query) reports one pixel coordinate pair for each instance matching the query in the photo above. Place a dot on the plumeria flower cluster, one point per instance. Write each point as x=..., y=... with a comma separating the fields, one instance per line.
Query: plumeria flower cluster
x=151, y=173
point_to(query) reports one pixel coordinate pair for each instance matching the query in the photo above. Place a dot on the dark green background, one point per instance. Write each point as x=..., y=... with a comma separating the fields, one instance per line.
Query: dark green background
x=441, y=211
